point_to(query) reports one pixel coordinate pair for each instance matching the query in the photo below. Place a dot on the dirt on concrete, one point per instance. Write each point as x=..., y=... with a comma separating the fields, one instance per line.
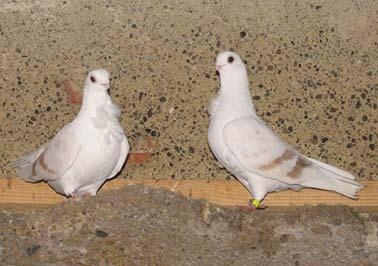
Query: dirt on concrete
x=142, y=226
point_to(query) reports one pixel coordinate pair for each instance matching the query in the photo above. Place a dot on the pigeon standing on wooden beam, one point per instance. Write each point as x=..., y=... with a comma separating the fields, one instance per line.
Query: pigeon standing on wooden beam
x=84, y=153
x=252, y=152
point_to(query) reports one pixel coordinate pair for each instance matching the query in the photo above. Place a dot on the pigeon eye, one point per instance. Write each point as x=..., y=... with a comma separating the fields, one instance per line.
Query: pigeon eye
x=93, y=80
x=230, y=59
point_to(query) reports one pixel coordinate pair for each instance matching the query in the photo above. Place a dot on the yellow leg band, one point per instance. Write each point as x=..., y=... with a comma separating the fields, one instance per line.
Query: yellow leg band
x=255, y=202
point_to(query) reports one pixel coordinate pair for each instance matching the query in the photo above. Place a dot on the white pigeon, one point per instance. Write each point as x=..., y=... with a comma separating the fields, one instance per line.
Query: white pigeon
x=252, y=152
x=84, y=153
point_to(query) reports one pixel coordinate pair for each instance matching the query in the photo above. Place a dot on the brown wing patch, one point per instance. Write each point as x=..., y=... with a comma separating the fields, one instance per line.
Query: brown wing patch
x=41, y=162
x=33, y=171
x=300, y=164
x=286, y=155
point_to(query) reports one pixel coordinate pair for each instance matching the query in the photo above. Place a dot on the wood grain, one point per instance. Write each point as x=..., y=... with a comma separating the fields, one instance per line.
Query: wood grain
x=226, y=193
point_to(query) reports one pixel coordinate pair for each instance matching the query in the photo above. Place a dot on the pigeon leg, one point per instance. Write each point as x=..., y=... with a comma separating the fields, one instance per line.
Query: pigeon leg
x=256, y=204
x=75, y=195
x=253, y=205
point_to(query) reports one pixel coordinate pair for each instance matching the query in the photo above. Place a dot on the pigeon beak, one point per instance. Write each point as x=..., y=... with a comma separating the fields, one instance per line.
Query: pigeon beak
x=219, y=67
x=106, y=85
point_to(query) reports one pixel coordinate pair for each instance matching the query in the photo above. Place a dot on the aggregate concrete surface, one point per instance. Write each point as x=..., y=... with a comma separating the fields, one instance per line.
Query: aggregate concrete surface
x=312, y=67
x=143, y=226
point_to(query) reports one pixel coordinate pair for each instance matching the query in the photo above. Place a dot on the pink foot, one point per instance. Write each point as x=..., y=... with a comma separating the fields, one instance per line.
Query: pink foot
x=247, y=208
x=78, y=196
x=253, y=206
x=74, y=196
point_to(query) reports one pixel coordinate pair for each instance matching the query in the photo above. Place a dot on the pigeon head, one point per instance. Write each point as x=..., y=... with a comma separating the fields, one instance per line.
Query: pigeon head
x=228, y=61
x=98, y=80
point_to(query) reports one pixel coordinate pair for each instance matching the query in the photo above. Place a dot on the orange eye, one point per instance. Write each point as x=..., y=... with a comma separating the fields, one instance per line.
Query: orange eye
x=93, y=80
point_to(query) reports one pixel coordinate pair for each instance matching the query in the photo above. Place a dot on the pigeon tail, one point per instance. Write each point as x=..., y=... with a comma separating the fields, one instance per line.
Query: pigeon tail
x=333, y=169
x=25, y=166
x=330, y=180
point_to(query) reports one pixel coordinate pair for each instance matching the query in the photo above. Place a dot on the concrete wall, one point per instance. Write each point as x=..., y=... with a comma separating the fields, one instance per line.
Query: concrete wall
x=313, y=73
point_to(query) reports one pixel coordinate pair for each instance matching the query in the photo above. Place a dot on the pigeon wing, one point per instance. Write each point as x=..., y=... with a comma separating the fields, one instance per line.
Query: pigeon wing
x=122, y=158
x=59, y=154
x=260, y=151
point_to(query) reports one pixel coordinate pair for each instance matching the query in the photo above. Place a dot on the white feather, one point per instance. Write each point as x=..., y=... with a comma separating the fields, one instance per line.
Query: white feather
x=87, y=151
x=252, y=152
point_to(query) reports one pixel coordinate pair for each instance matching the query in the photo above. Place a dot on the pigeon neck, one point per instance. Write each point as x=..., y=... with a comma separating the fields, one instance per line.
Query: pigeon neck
x=235, y=81
x=93, y=98
x=235, y=92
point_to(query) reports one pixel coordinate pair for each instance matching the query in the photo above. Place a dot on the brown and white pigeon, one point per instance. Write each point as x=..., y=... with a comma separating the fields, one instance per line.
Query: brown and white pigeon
x=252, y=152
x=84, y=153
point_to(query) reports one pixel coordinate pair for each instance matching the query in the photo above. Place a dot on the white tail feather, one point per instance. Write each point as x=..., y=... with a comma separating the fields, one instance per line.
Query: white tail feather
x=333, y=169
x=24, y=166
x=329, y=180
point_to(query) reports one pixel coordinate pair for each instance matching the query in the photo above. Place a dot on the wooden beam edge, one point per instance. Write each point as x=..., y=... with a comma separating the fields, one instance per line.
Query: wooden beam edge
x=225, y=193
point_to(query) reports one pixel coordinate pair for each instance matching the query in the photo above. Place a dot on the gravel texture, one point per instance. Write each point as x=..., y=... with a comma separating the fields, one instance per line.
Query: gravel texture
x=143, y=226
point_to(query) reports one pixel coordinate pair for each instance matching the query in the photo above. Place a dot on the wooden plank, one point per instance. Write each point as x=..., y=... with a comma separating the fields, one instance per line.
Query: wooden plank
x=226, y=193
